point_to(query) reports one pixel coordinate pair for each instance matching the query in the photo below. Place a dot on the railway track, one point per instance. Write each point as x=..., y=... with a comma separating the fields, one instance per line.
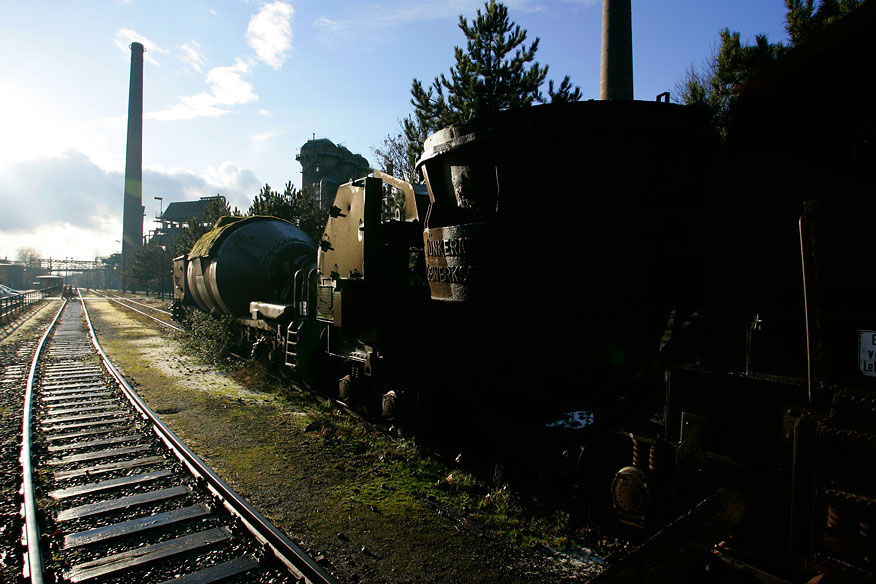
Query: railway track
x=164, y=316
x=112, y=495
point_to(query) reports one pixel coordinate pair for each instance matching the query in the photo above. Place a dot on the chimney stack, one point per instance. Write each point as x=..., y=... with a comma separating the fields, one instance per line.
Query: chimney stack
x=132, y=218
x=616, y=78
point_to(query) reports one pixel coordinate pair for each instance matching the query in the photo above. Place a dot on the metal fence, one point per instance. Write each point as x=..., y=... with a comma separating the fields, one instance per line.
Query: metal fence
x=13, y=305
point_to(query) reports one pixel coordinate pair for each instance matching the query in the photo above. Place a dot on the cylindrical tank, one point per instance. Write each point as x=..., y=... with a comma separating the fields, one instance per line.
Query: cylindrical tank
x=246, y=259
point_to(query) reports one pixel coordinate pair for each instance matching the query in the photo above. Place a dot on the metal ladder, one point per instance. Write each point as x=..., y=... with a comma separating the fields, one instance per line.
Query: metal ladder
x=292, y=334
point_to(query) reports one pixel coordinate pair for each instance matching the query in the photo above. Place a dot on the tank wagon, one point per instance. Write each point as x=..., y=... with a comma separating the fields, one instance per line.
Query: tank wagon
x=349, y=303
x=247, y=268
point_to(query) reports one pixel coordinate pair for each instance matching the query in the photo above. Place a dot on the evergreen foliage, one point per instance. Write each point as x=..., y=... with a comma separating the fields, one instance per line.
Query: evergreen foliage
x=497, y=71
x=298, y=207
x=804, y=18
x=151, y=267
x=216, y=208
x=726, y=73
x=720, y=82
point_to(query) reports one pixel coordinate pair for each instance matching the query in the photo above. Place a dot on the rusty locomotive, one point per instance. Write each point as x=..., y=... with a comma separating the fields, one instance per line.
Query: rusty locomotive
x=453, y=286
x=707, y=301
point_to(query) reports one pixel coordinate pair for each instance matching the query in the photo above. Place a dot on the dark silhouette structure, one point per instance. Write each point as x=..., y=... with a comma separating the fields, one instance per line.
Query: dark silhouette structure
x=325, y=166
x=177, y=216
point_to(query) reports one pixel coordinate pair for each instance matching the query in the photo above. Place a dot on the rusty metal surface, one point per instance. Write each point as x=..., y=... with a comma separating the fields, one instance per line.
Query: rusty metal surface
x=342, y=250
x=671, y=553
x=412, y=212
x=455, y=260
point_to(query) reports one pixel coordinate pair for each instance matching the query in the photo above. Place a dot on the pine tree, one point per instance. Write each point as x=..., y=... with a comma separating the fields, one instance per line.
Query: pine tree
x=735, y=63
x=298, y=207
x=726, y=73
x=151, y=266
x=497, y=71
x=804, y=18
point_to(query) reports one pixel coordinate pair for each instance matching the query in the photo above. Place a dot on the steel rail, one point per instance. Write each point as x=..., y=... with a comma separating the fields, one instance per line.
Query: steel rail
x=132, y=301
x=302, y=565
x=34, y=563
x=167, y=324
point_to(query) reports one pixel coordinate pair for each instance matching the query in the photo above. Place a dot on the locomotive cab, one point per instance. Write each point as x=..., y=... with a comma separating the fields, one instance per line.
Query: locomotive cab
x=368, y=289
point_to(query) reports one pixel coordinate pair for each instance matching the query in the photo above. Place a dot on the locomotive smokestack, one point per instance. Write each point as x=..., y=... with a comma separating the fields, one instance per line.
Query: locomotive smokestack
x=132, y=219
x=616, y=79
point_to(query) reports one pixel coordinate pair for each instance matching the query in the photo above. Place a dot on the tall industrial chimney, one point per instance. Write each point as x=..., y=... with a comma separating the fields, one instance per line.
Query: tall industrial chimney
x=132, y=219
x=616, y=78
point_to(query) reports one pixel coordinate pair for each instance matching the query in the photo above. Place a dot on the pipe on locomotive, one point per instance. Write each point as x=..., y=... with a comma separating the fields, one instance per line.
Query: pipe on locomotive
x=616, y=74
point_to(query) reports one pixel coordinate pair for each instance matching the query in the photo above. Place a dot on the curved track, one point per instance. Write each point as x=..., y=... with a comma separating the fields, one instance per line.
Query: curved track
x=112, y=495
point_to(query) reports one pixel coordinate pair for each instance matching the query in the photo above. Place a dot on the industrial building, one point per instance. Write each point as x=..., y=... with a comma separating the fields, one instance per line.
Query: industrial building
x=325, y=166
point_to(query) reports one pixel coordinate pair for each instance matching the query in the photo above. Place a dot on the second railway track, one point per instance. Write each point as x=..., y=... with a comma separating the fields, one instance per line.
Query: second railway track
x=164, y=317
x=111, y=495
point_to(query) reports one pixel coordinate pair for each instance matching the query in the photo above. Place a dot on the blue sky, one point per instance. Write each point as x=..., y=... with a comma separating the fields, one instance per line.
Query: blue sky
x=232, y=88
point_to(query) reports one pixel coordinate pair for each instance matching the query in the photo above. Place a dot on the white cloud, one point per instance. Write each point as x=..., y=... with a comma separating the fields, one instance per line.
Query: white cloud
x=192, y=55
x=67, y=205
x=265, y=113
x=363, y=24
x=33, y=127
x=61, y=240
x=262, y=136
x=125, y=36
x=227, y=88
x=269, y=33
x=69, y=189
x=400, y=12
x=238, y=185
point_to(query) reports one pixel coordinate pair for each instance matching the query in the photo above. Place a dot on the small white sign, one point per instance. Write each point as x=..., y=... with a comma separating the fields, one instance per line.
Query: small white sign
x=867, y=345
